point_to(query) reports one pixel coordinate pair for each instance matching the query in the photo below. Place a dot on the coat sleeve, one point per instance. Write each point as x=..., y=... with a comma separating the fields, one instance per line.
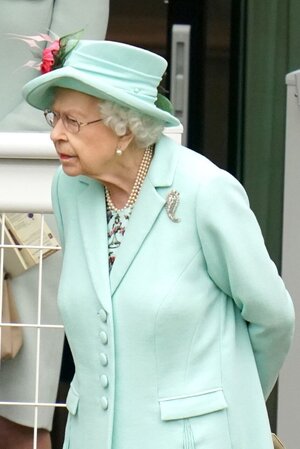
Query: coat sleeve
x=238, y=262
x=56, y=205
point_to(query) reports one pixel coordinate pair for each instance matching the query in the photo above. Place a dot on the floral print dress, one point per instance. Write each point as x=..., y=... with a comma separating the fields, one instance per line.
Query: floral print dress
x=116, y=226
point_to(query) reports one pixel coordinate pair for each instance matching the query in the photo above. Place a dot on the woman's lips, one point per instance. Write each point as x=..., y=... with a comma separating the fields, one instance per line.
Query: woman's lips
x=65, y=157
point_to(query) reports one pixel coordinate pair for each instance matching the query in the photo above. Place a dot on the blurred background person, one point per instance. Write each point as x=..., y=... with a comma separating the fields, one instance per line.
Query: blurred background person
x=18, y=376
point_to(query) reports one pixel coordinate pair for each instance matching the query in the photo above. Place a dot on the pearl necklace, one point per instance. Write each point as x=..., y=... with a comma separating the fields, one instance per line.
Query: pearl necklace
x=140, y=177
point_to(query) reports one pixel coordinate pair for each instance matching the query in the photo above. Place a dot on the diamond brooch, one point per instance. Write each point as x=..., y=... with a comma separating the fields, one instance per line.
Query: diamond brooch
x=172, y=204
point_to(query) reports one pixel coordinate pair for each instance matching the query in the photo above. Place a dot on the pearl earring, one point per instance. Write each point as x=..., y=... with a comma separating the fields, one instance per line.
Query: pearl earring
x=119, y=151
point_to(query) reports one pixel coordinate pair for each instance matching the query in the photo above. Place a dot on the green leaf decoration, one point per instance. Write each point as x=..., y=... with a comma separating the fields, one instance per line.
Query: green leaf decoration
x=164, y=103
x=63, y=53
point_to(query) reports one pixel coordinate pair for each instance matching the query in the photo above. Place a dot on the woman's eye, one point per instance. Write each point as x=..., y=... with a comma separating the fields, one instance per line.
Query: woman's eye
x=71, y=121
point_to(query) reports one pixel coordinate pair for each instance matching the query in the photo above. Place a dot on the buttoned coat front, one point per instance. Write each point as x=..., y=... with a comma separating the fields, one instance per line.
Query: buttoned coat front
x=178, y=347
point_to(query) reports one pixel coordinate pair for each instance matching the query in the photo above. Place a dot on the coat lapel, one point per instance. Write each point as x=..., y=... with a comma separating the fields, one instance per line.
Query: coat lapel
x=150, y=203
x=93, y=226
x=141, y=221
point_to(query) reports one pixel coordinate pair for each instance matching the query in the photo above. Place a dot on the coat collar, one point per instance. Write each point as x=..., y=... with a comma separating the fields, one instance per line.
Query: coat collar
x=92, y=217
x=162, y=169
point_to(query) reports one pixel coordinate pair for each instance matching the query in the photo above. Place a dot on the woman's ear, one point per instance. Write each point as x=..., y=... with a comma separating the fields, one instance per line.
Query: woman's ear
x=126, y=140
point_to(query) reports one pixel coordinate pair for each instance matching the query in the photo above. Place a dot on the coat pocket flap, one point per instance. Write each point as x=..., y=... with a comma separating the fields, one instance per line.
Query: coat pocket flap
x=193, y=405
x=72, y=401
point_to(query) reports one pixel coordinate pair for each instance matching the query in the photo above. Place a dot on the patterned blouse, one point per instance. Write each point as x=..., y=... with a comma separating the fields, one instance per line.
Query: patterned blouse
x=116, y=226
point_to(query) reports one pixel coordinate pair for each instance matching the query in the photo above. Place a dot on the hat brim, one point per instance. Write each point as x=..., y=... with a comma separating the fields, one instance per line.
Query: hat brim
x=40, y=92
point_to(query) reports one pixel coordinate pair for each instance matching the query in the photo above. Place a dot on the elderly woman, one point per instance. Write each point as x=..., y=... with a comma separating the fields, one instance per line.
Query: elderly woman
x=177, y=318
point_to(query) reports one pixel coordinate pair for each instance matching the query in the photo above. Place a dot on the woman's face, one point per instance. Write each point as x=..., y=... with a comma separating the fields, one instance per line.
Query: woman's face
x=91, y=151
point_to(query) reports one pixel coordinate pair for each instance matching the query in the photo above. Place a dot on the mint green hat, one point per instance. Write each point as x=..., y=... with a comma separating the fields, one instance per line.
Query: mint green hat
x=107, y=70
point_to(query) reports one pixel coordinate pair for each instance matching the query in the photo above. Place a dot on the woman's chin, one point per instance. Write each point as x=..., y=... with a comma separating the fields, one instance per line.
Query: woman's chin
x=70, y=170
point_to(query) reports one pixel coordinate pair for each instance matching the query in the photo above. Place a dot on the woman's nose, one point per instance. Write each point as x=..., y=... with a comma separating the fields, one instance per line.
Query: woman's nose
x=58, y=132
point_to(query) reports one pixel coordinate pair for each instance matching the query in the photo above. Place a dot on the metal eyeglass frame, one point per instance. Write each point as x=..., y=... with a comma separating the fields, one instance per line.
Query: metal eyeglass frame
x=67, y=121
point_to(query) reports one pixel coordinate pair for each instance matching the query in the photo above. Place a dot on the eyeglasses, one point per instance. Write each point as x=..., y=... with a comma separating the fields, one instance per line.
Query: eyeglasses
x=72, y=125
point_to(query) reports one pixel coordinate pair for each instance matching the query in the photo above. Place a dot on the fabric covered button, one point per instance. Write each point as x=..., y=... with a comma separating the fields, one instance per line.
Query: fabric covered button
x=103, y=359
x=103, y=315
x=104, y=381
x=103, y=337
x=104, y=402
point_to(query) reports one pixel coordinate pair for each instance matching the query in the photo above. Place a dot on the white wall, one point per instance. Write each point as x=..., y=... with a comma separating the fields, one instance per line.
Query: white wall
x=289, y=380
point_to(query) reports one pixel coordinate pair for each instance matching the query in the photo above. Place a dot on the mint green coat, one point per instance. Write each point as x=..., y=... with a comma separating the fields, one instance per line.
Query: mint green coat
x=179, y=347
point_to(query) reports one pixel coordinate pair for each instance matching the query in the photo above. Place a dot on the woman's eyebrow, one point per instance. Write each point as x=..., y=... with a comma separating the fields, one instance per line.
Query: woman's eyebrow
x=70, y=112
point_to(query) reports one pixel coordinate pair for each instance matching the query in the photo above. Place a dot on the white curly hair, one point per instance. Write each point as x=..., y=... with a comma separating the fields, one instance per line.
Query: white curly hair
x=120, y=119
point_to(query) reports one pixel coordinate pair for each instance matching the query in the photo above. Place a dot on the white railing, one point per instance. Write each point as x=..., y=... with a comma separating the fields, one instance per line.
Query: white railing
x=27, y=164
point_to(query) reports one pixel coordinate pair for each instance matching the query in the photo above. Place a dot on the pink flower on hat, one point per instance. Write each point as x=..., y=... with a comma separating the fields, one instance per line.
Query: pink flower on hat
x=48, y=58
x=52, y=57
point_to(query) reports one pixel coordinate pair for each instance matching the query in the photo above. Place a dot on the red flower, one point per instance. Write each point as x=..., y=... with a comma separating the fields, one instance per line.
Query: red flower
x=49, y=54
